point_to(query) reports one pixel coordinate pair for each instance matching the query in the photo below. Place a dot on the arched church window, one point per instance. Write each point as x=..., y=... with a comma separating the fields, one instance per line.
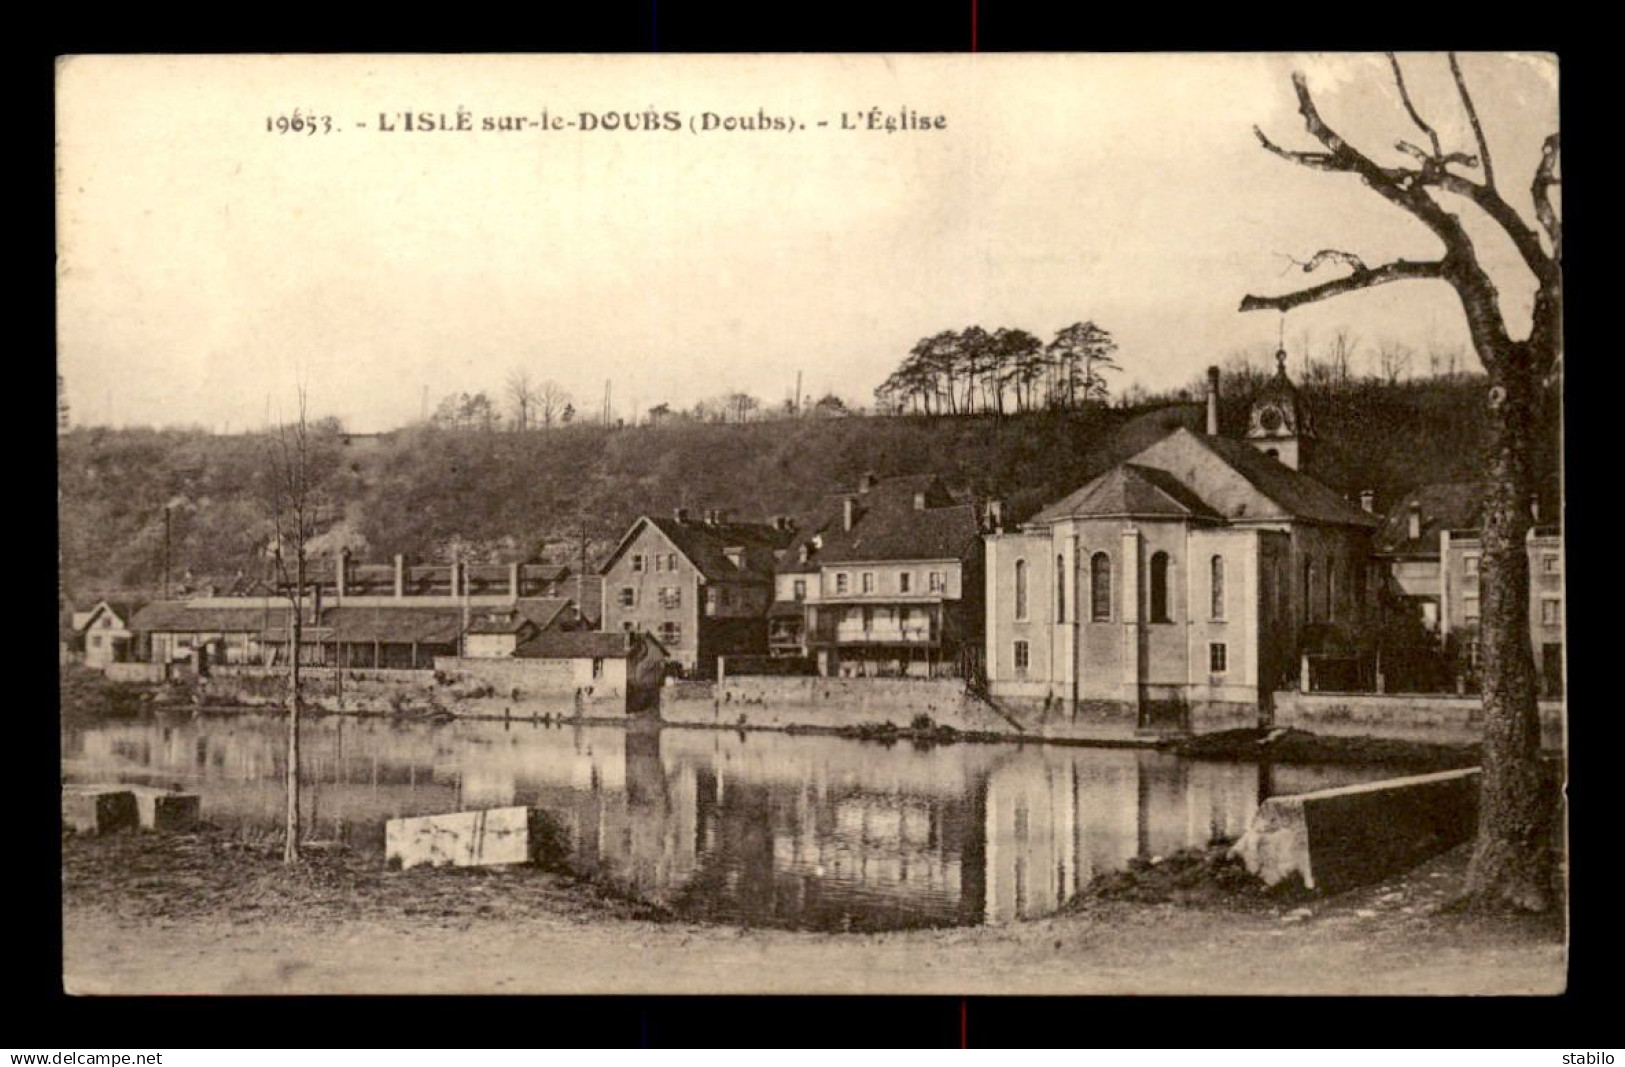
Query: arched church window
x=1159, y=587
x=1100, y=586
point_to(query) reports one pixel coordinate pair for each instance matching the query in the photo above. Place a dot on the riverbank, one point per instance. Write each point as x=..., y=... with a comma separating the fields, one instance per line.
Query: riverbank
x=864, y=710
x=208, y=913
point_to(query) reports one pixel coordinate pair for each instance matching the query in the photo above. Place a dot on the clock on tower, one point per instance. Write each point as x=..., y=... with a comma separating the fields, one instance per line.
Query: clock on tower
x=1280, y=425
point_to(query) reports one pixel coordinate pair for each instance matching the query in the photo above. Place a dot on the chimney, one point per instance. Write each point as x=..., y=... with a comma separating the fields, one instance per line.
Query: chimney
x=1534, y=508
x=995, y=515
x=680, y=514
x=919, y=501
x=343, y=572
x=513, y=581
x=867, y=482
x=1213, y=401
x=849, y=512
x=400, y=575
x=1368, y=500
x=1416, y=520
x=806, y=551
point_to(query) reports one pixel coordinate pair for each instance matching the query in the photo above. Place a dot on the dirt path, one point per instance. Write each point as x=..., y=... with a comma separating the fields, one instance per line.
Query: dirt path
x=529, y=933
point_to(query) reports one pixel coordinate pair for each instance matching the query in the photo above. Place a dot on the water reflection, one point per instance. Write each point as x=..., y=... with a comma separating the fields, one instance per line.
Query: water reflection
x=759, y=829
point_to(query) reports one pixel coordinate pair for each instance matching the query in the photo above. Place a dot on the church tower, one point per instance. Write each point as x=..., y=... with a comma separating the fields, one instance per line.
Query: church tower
x=1280, y=424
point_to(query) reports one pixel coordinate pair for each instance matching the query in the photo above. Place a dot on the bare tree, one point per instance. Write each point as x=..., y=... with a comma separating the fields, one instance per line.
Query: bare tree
x=1393, y=362
x=523, y=395
x=1511, y=864
x=1340, y=354
x=299, y=467
x=551, y=400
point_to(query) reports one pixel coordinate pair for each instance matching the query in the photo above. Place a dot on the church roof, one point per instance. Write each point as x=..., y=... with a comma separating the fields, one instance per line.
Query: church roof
x=1296, y=494
x=1130, y=490
x=1177, y=478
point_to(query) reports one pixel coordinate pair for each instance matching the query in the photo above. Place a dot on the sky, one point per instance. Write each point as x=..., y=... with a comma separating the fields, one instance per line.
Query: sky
x=208, y=267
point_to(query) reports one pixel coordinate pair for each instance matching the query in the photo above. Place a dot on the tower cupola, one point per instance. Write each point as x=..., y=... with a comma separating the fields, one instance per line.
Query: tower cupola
x=1280, y=424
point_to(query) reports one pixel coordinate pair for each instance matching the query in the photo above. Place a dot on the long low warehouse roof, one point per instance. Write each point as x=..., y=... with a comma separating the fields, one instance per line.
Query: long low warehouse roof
x=403, y=625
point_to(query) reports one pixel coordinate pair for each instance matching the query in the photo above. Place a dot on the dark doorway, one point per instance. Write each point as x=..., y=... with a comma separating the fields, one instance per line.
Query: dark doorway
x=1551, y=670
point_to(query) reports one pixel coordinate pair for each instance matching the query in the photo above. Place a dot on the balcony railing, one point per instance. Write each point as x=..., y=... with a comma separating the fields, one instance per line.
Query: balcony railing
x=855, y=633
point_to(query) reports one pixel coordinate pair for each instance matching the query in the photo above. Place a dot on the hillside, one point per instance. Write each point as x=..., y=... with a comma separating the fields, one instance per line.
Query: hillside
x=504, y=494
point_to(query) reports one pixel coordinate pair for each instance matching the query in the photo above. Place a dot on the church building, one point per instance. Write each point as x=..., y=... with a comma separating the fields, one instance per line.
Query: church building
x=1182, y=585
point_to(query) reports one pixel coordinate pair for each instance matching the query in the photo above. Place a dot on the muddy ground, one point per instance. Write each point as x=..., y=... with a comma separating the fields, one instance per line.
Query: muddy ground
x=209, y=913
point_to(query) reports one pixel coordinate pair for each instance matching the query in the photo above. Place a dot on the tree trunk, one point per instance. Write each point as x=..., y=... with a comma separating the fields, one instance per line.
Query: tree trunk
x=1512, y=861
x=290, y=845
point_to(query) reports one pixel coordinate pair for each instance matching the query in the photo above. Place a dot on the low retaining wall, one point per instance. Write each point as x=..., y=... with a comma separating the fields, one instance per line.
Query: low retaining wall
x=490, y=692
x=134, y=672
x=837, y=702
x=753, y=700
x=1406, y=717
x=1337, y=838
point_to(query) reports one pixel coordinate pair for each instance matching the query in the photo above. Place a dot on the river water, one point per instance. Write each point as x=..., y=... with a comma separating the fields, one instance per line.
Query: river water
x=759, y=829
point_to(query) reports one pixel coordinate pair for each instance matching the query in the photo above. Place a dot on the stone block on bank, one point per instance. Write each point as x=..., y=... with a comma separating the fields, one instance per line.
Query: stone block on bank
x=1334, y=839
x=98, y=809
x=488, y=838
x=164, y=809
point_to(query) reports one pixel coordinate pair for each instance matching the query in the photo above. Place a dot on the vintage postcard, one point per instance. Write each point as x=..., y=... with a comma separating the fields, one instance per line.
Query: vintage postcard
x=895, y=524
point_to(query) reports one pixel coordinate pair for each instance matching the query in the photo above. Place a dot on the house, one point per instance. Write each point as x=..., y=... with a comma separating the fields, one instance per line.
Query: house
x=1430, y=544
x=598, y=662
x=1192, y=575
x=885, y=580
x=1408, y=545
x=499, y=633
x=1459, y=554
x=105, y=635
x=701, y=587
x=234, y=628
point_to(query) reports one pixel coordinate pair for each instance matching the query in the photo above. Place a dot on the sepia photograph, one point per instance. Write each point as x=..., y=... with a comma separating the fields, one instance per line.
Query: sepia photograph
x=962, y=524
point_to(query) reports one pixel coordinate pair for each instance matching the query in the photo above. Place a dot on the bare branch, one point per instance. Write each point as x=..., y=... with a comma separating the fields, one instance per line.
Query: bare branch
x=1544, y=180
x=1312, y=160
x=1332, y=255
x=1431, y=164
x=1410, y=108
x=1361, y=278
x=1472, y=117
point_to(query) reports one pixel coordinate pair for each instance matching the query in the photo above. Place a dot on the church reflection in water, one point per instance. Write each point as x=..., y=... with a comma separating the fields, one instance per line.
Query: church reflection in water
x=759, y=829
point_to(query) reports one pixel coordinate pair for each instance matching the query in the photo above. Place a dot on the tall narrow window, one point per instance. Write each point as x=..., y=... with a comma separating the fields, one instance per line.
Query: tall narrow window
x=1159, y=587
x=1308, y=588
x=1021, y=590
x=1331, y=574
x=1060, y=588
x=1100, y=586
x=1023, y=656
x=1216, y=587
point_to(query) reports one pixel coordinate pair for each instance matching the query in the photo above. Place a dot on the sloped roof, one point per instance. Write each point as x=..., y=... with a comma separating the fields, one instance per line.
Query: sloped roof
x=1444, y=506
x=395, y=625
x=1145, y=430
x=178, y=616
x=544, y=611
x=1296, y=493
x=705, y=545
x=887, y=526
x=1131, y=490
x=124, y=610
x=575, y=644
x=500, y=623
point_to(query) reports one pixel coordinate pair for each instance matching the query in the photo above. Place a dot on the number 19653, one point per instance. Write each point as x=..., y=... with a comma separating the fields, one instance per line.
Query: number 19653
x=300, y=121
